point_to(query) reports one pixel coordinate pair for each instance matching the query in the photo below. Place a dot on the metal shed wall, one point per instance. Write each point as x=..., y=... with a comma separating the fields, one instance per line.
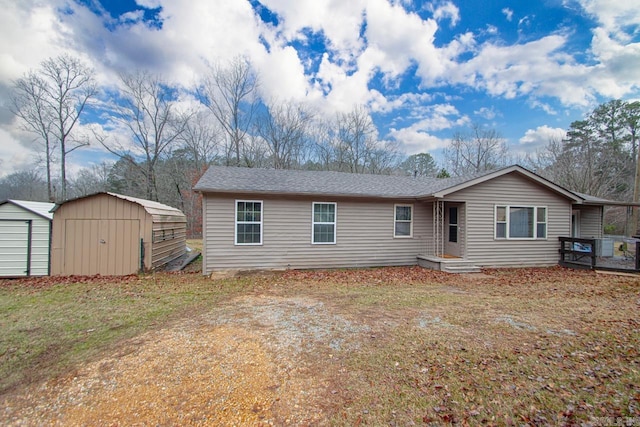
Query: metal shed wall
x=24, y=242
x=102, y=234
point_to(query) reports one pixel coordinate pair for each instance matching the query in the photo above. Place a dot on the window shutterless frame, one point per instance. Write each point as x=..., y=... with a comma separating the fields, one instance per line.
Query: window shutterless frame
x=248, y=223
x=324, y=217
x=402, y=221
x=520, y=222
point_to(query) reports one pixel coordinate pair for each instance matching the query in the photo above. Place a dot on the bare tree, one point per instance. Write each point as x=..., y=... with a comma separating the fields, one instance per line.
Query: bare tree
x=90, y=180
x=322, y=146
x=384, y=158
x=24, y=185
x=284, y=128
x=50, y=102
x=230, y=92
x=477, y=150
x=356, y=139
x=201, y=137
x=146, y=109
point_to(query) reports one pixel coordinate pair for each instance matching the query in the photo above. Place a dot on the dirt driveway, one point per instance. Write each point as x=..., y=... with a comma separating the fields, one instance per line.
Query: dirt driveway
x=394, y=346
x=258, y=360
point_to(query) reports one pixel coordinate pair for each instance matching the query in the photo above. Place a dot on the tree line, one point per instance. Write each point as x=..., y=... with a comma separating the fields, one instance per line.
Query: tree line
x=163, y=144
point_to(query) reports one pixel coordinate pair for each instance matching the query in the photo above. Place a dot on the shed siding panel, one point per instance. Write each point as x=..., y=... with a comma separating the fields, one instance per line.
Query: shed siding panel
x=121, y=223
x=171, y=244
x=590, y=222
x=14, y=238
x=364, y=235
x=40, y=235
x=512, y=190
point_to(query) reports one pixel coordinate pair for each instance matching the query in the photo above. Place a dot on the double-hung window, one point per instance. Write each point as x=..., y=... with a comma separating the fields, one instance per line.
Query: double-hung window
x=323, y=229
x=248, y=222
x=520, y=222
x=403, y=221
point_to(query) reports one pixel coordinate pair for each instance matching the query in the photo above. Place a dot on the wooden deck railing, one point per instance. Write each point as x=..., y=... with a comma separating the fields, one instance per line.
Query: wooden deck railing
x=581, y=253
x=576, y=252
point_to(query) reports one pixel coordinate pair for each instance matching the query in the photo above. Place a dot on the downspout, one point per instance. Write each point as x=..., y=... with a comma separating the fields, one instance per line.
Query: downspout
x=49, y=253
x=142, y=255
x=29, y=237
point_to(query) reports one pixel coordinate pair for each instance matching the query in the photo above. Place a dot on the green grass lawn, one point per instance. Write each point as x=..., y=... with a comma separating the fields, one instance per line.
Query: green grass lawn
x=510, y=347
x=49, y=324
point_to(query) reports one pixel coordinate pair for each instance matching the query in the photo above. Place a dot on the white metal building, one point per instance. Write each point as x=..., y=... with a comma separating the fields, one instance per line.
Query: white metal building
x=25, y=235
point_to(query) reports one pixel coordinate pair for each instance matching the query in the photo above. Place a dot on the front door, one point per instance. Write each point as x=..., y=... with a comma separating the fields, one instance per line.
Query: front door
x=454, y=228
x=575, y=223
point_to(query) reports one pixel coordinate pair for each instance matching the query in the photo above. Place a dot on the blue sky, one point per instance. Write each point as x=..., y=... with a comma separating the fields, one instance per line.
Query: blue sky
x=424, y=69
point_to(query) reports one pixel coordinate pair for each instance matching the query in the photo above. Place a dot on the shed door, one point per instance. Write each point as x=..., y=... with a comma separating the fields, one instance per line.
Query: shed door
x=102, y=246
x=14, y=248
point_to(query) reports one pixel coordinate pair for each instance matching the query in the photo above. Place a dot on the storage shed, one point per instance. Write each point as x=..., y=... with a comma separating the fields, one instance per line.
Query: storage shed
x=112, y=234
x=25, y=231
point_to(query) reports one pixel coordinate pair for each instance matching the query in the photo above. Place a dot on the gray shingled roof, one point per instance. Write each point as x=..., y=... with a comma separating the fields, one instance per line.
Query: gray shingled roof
x=222, y=179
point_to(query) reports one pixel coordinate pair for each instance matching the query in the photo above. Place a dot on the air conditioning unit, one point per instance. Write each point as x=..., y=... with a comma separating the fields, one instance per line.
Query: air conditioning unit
x=604, y=247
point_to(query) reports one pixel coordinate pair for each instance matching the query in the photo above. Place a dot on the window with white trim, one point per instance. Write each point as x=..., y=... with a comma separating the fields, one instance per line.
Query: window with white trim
x=248, y=222
x=323, y=228
x=520, y=222
x=403, y=221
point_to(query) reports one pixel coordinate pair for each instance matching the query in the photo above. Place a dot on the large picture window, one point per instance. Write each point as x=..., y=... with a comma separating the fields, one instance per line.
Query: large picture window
x=248, y=222
x=324, y=223
x=520, y=222
x=403, y=223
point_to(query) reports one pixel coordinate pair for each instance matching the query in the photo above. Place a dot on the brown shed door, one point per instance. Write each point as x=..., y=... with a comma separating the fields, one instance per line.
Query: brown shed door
x=102, y=246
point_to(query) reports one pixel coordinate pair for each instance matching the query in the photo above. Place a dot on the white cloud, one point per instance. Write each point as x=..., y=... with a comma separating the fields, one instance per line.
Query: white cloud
x=406, y=100
x=14, y=156
x=149, y=4
x=339, y=21
x=418, y=137
x=486, y=113
x=30, y=32
x=446, y=10
x=535, y=69
x=508, y=13
x=619, y=18
x=413, y=141
x=536, y=139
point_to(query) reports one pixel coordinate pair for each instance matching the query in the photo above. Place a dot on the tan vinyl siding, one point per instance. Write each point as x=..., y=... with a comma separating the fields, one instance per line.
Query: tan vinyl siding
x=364, y=235
x=511, y=190
x=14, y=254
x=590, y=221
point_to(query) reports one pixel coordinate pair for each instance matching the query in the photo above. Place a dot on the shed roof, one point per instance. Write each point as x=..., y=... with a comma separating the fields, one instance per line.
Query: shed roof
x=159, y=211
x=221, y=179
x=42, y=209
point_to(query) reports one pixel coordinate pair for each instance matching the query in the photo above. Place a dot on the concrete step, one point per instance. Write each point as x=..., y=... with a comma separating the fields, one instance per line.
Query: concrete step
x=460, y=267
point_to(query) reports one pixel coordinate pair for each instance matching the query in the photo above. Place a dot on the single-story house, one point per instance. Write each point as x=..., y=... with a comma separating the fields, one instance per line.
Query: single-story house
x=113, y=234
x=25, y=233
x=273, y=219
